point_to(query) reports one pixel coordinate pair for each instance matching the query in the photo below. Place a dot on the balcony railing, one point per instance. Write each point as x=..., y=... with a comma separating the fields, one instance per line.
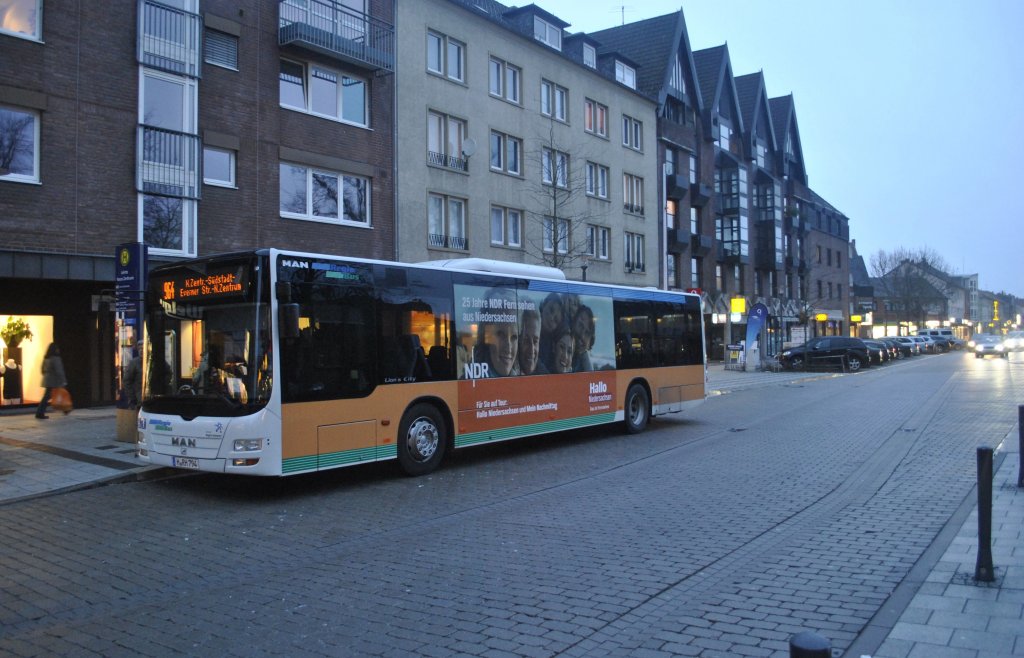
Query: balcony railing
x=449, y=161
x=633, y=208
x=329, y=28
x=448, y=241
x=168, y=163
x=169, y=39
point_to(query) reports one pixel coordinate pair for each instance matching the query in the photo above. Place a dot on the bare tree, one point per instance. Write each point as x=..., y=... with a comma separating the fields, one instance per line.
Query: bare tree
x=555, y=231
x=913, y=282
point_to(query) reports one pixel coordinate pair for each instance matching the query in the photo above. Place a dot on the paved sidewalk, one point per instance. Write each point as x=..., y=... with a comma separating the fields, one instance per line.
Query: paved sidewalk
x=938, y=611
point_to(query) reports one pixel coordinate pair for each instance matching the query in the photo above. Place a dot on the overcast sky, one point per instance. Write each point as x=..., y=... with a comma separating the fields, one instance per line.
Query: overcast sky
x=908, y=110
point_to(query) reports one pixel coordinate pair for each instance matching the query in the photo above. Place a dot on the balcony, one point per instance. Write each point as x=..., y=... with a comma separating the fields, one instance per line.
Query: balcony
x=169, y=39
x=329, y=28
x=728, y=203
x=676, y=186
x=447, y=161
x=168, y=163
x=730, y=253
x=678, y=239
x=700, y=245
x=447, y=241
x=699, y=194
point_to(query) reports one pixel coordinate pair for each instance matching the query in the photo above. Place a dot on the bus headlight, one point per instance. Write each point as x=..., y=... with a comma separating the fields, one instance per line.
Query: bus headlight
x=248, y=445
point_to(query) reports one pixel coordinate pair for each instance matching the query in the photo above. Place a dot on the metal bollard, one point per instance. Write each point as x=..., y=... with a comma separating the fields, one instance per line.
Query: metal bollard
x=809, y=645
x=1020, y=445
x=984, y=572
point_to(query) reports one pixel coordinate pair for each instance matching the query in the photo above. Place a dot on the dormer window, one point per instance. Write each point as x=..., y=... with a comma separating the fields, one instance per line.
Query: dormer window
x=676, y=81
x=589, y=56
x=547, y=33
x=625, y=74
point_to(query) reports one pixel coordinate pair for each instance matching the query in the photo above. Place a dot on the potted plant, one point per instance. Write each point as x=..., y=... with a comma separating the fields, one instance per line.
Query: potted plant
x=13, y=333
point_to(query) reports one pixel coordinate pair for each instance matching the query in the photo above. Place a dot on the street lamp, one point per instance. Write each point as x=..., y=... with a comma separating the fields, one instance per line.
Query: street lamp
x=584, y=266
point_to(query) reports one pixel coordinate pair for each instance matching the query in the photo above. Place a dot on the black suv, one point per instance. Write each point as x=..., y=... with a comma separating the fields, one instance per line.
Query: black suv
x=835, y=351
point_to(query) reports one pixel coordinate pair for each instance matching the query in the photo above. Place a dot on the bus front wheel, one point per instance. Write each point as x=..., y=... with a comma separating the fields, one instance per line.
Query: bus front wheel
x=638, y=409
x=421, y=440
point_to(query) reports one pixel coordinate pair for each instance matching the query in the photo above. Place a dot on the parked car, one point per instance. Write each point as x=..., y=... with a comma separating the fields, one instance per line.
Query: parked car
x=826, y=351
x=878, y=353
x=926, y=343
x=989, y=345
x=945, y=338
x=894, y=348
x=908, y=346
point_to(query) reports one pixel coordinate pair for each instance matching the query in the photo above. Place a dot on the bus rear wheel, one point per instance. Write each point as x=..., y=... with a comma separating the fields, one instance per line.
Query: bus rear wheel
x=638, y=409
x=422, y=439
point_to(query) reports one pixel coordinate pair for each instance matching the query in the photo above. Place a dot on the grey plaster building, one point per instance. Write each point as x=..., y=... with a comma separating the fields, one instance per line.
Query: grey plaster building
x=521, y=142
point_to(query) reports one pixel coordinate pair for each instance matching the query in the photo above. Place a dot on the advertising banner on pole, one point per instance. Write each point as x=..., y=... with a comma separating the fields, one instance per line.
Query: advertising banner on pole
x=757, y=320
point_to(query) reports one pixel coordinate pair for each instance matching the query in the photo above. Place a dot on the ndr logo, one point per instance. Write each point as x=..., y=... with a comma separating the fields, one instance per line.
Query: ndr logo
x=301, y=264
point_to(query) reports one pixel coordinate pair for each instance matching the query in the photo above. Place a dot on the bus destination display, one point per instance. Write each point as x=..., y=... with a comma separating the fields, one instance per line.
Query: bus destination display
x=192, y=286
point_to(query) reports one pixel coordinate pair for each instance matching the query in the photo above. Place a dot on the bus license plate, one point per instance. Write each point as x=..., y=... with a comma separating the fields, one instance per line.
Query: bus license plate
x=187, y=462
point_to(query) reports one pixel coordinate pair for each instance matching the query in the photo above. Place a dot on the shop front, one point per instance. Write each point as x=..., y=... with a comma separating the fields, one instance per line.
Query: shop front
x=52, y=298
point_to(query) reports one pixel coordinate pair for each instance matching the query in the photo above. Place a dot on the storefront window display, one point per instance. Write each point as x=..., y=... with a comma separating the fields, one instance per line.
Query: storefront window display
x=25, y=339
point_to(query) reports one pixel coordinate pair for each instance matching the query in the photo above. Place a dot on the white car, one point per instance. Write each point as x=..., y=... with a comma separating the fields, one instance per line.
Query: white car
x=1014, y=341
x=987, y=344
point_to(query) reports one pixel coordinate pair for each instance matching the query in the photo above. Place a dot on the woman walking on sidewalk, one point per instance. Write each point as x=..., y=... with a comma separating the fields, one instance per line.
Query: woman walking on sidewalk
x=53, y=376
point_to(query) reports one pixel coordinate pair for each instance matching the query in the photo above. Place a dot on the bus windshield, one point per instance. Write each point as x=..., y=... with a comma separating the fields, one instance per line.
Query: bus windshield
x=207, y=353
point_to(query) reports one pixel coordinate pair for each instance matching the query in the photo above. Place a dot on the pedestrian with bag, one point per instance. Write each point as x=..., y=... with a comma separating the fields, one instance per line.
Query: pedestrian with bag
x=53, y=378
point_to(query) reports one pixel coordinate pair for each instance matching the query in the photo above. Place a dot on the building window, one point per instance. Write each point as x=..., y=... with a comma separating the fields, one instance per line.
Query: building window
x=597, y=180
x=632, y=133
x=828, y=257
x=589, y=56
x=506, y=227
x=168, y=224
x=446, y=56
x=830, y=290
x=671, y=209
x=221, y=49
x=595, y=118
x=625, y=74
x=553, y=242
x=321, y=91
x=19, y=145
x=324, y=196
x=446, y=222
x=634, y=252
x=445, y=135
x=724, y=135
x=676, y=80
x=505, y=80
x=506, y=153
x=671, y=270
x=719, y=278
x=817, y=252
x=218, y=167
x=547, y=33
x=553, y=100
x=633, y=194
x=839, y=258
x=694, y=221
x=737, y=276
x=695, y=272
x=693, y=169
x=555, y=168
x=598, y=238
x=22, y=18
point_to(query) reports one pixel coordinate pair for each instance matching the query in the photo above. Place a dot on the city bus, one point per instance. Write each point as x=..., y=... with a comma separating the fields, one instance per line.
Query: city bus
x=276, y=363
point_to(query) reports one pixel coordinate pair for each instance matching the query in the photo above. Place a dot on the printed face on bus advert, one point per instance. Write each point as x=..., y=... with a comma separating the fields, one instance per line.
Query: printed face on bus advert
x=563, y=353
x=529, y=343
x=503, y=342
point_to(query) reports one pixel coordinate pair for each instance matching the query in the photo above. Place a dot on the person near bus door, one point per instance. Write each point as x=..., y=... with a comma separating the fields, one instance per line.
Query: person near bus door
x=53, y=377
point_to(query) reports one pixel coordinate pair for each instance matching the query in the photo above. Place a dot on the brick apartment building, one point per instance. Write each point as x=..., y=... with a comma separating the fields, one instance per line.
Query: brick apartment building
x=196, y=128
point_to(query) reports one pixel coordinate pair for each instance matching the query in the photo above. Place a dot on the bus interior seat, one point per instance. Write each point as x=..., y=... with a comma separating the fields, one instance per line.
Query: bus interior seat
x=437, y=359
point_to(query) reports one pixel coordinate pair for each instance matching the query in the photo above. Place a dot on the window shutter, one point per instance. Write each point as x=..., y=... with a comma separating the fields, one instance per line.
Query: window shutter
x=221, y=49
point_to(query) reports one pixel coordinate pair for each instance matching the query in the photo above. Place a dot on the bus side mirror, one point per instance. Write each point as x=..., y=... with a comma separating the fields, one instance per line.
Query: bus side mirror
x=289, y=320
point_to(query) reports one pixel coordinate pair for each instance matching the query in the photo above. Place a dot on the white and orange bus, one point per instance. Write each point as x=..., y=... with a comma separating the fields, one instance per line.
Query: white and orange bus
x=276, y=363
